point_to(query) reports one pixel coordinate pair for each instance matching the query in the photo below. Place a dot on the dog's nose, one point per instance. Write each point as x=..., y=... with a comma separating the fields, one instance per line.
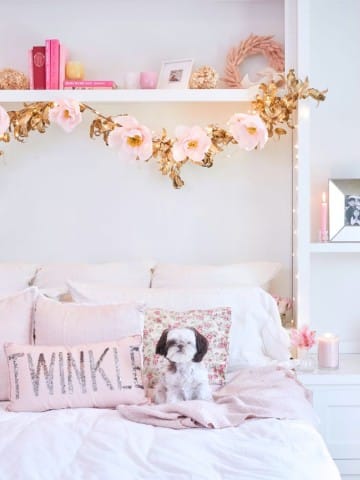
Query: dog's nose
x=181, y=347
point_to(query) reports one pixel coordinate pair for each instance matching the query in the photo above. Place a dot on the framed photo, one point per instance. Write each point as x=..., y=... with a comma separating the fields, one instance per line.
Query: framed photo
x=175, y=74
x=344, y=210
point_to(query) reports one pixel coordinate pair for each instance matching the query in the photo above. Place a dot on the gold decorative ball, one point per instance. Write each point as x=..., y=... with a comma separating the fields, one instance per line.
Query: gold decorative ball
x=204, y=77
x=13, y=80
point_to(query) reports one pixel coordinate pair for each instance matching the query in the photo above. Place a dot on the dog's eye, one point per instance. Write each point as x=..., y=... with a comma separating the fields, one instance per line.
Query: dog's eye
x=189, y=343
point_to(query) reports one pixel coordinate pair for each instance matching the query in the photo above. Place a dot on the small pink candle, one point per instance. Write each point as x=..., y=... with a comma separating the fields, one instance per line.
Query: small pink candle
x=324, y=219
x=148, y=79
x=328, y=351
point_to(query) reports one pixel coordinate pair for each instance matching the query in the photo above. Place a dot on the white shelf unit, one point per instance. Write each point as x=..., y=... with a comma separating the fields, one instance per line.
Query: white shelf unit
x=122, y=96
x=335, y=247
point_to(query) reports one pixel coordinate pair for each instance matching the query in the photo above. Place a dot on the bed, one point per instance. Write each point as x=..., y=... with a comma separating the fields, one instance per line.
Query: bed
x=44, y=441
x=98, y=444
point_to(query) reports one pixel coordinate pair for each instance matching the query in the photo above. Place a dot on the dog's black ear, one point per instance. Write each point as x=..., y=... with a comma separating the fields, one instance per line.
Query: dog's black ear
x=201, y=346
x=161, y=344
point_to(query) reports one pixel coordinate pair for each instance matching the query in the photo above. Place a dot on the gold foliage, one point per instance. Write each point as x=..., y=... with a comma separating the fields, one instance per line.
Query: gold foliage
x=275, y=110
x=33, y=117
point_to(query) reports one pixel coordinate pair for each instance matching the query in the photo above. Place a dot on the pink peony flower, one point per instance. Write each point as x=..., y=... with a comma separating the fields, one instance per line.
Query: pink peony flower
x=66, y=113
x=4, y=120
x=302, y=338
x=131, y=138
x=248, y=130
x=191, y=142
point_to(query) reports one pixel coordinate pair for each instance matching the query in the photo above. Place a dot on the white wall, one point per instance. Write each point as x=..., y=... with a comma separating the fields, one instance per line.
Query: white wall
x=66, y=198
x=335, y=64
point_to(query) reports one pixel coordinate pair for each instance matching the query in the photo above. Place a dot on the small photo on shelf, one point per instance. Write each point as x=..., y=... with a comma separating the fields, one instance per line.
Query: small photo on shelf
x=344, y=210
x=175, y=74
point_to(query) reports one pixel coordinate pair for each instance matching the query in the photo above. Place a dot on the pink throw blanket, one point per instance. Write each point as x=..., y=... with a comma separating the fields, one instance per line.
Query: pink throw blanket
x=263, y=392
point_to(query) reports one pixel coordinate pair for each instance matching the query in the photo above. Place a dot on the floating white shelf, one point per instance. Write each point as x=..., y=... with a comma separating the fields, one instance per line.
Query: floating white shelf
x=335, y=247
x=119, y=95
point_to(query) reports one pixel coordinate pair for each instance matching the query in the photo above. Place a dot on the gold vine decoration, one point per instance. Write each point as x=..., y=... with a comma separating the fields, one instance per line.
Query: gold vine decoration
x=271, y=113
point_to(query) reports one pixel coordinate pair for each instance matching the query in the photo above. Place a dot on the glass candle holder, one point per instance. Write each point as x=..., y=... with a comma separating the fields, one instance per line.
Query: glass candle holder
x=148, y=79
x=132, y=80
x=74, y=70
x=306, y=361
x=328, y=351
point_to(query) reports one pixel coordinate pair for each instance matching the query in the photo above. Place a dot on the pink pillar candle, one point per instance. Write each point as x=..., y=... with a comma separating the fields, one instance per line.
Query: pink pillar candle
x=328, y=351
x=324, y=219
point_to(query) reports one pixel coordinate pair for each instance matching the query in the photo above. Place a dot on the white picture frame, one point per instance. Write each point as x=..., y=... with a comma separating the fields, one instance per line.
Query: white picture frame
x=175, y=74
x=344, y=202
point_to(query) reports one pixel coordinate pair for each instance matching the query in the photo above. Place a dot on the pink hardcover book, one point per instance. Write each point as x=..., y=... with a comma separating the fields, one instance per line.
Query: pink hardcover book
x=30, y=69
x=38, y=67
x=88, y=88
x=62, y=62
x=47, y=64
x=89, y=84
x=54, y=64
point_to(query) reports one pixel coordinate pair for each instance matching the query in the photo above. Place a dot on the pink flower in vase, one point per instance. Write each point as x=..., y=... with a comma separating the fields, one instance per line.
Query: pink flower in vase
x=131, y=138
x=66, y=113
x=248, y=130
x=303, y=338
x=191, y=142
x=4, y=120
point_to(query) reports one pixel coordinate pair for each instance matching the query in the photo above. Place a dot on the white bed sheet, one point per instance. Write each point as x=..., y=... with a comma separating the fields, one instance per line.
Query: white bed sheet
x=95, y=444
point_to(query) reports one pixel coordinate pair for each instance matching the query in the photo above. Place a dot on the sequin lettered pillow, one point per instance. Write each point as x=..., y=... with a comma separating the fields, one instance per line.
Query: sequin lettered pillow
x=101, y=375
x=213, y=323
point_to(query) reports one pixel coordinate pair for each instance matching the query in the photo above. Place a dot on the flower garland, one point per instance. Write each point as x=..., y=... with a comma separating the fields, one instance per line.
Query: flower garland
x=194, y=144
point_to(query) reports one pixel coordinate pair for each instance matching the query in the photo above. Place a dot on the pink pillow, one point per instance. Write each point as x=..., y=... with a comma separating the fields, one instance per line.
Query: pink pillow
x=214, y=324
x=58, y=323
x=99, y=375
x=15, y=326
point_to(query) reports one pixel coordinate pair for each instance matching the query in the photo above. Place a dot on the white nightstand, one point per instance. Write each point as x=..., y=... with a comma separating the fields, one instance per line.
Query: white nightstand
x=337, y=402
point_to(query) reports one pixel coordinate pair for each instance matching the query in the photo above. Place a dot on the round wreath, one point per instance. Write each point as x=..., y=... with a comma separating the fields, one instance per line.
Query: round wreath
x=253, y=45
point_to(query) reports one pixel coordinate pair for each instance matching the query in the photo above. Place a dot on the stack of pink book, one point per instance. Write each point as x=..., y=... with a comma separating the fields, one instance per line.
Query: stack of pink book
x=47, y=65
x=47, y=69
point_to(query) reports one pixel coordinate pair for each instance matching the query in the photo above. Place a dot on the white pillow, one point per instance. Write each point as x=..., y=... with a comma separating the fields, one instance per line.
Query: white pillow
x=51, y=279
x=15, y=277
x=254, y=274
x=256, y=334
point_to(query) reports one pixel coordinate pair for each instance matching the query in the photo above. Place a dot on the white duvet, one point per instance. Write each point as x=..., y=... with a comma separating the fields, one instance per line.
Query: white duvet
x=91, y=444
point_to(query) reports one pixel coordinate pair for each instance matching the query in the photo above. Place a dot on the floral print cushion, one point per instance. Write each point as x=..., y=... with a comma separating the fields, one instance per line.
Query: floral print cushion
x=214, y=324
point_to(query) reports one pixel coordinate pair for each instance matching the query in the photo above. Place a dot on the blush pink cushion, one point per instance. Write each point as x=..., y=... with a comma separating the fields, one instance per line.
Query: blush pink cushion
x=213, y=323
x=91, y=375
x=58, y=323
x=15, y=326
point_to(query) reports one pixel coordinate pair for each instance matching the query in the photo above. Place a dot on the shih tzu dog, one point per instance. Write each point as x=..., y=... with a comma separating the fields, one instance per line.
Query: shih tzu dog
x=185, y=378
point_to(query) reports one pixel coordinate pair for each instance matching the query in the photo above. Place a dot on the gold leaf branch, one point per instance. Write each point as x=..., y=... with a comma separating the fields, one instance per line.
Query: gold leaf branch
x=275, y=110
x=33, y=117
